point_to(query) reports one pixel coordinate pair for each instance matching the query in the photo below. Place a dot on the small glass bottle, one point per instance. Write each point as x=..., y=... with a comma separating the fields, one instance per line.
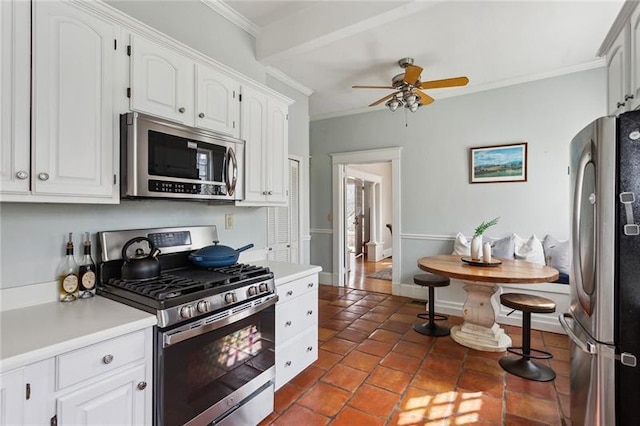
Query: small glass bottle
x=87, y=271
x=68, y=275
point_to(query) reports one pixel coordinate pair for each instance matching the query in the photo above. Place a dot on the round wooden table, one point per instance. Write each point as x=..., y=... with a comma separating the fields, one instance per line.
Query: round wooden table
x=480, y=330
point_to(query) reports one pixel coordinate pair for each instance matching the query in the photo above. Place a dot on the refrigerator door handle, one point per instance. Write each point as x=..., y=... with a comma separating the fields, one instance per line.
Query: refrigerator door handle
x=591, y=348
x=586, y=346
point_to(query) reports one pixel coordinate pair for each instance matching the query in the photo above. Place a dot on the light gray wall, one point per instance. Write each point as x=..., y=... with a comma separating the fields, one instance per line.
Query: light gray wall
x=32, y=235
x=437, y=199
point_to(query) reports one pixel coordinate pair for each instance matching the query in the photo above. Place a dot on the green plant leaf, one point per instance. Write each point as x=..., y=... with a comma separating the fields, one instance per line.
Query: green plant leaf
x=485, y=225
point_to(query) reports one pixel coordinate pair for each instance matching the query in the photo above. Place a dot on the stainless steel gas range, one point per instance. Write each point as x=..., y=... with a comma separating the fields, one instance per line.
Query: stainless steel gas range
x=214, y=342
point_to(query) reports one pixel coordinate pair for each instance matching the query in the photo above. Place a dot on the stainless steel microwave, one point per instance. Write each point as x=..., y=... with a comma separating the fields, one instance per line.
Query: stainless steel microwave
x=162, y=159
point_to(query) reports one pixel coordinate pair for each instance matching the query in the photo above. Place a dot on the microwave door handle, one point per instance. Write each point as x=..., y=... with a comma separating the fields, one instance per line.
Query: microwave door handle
x=231, y=182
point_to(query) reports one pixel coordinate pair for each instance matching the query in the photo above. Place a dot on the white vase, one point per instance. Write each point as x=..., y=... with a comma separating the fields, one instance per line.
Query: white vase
x=476, y=247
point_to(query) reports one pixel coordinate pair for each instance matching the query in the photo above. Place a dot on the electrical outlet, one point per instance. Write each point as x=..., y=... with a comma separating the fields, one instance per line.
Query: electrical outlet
x=330, y=217
x=228, y=221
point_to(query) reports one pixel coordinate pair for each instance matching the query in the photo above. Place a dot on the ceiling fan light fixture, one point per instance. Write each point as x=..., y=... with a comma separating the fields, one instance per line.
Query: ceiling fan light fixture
x=393, y=104
x=414, y=107
x=410, y=99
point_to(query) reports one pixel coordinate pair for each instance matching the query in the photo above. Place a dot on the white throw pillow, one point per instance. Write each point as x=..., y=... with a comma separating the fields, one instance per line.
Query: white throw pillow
x=530, y=250
x=461, y=246
x=556, y=253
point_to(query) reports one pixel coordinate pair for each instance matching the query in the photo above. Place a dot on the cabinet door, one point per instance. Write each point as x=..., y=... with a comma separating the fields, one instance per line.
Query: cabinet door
x=12, y=397
x=278, y=238
x=254, y=133
x=161, y=81
x=73, y=67
x=276, y=154
x=217, y=105
x=115, y=400
x=617, y=74
x=634, y=61
x=15, y=28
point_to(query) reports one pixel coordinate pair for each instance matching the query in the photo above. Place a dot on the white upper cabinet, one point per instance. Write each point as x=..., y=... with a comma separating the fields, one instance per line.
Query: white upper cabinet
x=217, y=101
x=15, y=39
x=58, y=121
x=264, y=127
x=72, y=100
x=161, y=81
x=623, y=62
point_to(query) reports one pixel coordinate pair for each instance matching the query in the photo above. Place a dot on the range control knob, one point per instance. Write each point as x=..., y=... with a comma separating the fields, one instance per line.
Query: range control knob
x=187, y=311
x=203, y=306
x=252, y=291
x=263, y=287
x=230, y=297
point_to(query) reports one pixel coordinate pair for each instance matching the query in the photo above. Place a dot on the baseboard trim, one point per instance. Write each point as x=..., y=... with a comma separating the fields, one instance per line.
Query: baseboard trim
x=326, y=278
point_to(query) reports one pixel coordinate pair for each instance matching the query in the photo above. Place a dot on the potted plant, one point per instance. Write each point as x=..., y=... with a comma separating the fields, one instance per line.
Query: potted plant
x=476, y=241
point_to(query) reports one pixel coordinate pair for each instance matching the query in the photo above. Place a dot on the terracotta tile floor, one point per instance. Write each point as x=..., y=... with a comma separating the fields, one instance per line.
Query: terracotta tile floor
x=373, y=369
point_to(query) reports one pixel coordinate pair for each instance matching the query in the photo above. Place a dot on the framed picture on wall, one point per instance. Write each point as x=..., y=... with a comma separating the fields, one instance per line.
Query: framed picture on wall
x=498, y=163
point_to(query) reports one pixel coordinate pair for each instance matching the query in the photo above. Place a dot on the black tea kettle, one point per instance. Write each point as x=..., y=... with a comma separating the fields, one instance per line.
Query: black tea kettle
x=143, y=265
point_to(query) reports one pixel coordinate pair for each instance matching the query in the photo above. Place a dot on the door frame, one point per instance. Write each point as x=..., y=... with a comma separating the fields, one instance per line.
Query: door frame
x=339, y=161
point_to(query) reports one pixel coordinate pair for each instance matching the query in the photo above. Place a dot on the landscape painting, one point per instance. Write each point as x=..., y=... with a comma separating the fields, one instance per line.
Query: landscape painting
x=499, y=163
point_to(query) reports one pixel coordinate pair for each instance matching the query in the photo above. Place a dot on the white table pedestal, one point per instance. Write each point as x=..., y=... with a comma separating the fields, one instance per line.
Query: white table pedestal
x=480, y=330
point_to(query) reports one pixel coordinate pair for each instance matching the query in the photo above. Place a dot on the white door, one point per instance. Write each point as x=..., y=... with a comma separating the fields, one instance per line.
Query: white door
x=162, y=81
x=617, y=74
x=15, y=140
x=254, y=133
x=73, y=67
x=12, y=397
x=217, y=105
x=283, y=223
x=116, y=400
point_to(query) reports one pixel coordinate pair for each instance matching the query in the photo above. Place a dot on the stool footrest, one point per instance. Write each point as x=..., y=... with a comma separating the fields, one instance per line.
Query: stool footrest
x=436, y=317
x=519, y=350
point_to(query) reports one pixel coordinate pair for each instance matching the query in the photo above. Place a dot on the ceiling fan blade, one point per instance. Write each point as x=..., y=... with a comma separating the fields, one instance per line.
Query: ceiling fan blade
x=386, y=98
x=412, y=74
x=447, y=82
x=424, y=98
x=372, y=87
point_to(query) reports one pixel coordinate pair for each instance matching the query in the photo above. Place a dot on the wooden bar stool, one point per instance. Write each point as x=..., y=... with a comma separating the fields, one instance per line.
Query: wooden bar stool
x=430, y=328
x=522, y=365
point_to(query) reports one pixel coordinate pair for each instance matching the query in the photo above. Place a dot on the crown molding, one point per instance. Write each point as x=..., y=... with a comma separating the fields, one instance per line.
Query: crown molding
x=598, y=63
x=276, y=73
x=618, y=25
x=226, y=11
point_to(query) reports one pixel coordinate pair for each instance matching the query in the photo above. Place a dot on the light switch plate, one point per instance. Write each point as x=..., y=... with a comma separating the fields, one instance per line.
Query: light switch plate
x=228, y=221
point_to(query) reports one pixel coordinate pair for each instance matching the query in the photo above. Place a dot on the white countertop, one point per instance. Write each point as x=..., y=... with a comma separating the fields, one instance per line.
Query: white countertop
x=285, y=272
x=39, y=332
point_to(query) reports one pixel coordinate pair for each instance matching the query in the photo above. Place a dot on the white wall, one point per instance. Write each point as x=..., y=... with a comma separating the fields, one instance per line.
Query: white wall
x=437, y=200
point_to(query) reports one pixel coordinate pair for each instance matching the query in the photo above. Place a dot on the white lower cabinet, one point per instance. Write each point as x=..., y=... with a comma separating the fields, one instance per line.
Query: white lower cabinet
x=109, y=382
x=296, y=327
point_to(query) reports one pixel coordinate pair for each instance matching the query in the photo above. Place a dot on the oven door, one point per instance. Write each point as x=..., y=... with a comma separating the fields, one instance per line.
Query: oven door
x=206, y=373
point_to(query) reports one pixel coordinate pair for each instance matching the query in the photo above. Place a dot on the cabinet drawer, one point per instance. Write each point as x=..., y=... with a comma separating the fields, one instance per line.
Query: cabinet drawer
x=81, y=364
x=295, y=356
x=293, y=289
x=296, y=317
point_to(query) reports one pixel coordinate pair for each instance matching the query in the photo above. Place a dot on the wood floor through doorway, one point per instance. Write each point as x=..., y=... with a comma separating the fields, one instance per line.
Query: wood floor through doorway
x=358, y=279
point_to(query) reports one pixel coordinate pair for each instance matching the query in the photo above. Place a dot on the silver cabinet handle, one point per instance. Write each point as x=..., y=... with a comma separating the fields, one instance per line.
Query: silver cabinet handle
x=290, y=293
x=22, y=175
x=620, y=104
x=142, y=385
x=287, y=364
x=201, y=115
x=270, y=193
x=181, y=110
x=107, y=359
x=264, y=192
x=287, y=324
x=309, y=348
x=627, y=97
x=43, y=176
x=310, y=285
x=309, y=312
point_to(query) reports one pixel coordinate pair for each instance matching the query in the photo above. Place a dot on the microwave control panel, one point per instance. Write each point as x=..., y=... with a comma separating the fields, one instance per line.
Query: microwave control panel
x=186, y=188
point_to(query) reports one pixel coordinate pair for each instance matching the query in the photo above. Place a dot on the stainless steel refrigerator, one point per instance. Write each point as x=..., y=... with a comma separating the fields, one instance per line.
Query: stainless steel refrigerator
x=603, y=321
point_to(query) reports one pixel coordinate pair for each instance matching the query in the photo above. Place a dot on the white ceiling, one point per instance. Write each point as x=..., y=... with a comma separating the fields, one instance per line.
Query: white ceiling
x=328, y=46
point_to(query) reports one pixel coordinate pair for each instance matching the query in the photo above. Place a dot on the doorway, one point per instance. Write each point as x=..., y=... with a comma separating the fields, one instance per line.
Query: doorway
x=343, y=261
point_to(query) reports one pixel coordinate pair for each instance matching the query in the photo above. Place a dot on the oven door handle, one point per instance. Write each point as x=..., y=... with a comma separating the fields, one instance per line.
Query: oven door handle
x=172, y=337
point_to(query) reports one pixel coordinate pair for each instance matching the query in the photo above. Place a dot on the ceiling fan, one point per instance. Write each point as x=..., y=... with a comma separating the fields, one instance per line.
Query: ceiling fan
x=408, y=87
